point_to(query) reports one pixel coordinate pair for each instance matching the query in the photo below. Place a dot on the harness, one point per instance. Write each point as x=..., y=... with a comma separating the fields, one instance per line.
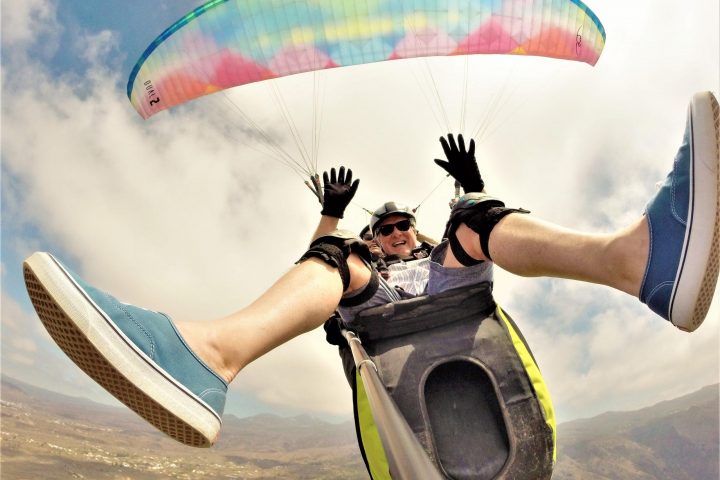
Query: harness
x=463, y=377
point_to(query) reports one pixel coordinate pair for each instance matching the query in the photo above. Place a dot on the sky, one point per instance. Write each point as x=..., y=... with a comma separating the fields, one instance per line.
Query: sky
x=187, y=213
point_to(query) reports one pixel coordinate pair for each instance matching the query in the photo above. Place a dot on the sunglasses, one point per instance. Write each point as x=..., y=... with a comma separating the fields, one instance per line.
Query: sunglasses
x=403, y=226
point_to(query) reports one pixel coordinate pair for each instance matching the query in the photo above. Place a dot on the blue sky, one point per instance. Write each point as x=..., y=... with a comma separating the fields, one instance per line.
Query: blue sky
x=135, y=22
x=178, y=213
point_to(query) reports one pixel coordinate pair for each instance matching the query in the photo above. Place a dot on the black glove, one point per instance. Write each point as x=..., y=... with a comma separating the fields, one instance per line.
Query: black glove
x=337, y=192
x=461, y=163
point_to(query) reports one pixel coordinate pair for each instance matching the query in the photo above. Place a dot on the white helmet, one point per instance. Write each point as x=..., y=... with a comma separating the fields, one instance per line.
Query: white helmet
x=390, y=208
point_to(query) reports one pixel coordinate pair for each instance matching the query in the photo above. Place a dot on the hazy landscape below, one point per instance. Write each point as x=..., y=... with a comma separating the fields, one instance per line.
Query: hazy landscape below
x=51, y=436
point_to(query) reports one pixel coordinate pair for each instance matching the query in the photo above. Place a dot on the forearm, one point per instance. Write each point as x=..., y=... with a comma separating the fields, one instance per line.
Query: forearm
x=326, y=225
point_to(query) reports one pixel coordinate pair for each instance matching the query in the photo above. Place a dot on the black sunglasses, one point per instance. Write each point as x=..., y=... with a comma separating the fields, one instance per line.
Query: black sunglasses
x=403, y=226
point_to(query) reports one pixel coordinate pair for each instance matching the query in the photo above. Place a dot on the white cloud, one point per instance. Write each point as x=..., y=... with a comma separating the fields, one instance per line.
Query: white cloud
x=29, y=354
x=171, y=214
x=304, y=372
x=18, y=345
x=23, y=21
x=95, y=47
x=166, y=214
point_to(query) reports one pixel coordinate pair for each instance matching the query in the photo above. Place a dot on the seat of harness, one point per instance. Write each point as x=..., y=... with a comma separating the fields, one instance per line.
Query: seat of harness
x=449, y=364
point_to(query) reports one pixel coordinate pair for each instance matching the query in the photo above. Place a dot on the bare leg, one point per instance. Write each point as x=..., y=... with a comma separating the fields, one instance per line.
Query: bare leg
x=175, y=375
x=298, y=302
x=676, y=275
x=530, y=247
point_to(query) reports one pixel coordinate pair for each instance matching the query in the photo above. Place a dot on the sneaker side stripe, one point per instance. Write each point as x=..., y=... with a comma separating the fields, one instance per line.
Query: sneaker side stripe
x=689, y=221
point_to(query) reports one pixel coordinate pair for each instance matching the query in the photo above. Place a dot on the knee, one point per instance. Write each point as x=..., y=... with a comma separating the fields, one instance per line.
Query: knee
x=471, y=222
x=346, y=253
x=360, y=273
x=469, y=241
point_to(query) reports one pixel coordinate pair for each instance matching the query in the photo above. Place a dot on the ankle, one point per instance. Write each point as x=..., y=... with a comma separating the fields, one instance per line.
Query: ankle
x=203, y=343
x=630, y=250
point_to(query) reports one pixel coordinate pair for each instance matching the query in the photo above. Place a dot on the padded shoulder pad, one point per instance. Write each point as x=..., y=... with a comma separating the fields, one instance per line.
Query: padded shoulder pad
x=474, y=202
x=337, y=236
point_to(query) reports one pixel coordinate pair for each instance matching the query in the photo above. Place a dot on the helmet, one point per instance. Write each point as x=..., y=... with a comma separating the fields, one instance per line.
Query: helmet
x=364, y=231
x=390, y=208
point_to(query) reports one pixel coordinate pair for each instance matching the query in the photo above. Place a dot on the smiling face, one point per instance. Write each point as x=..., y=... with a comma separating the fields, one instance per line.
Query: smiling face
x=396, y=243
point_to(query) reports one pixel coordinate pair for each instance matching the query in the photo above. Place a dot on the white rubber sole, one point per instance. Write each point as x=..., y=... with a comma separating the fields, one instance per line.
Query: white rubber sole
x=102, y=351
x=698, y=272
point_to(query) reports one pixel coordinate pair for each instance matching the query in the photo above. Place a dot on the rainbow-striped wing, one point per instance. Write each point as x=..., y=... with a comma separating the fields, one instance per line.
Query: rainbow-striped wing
x=226, y=43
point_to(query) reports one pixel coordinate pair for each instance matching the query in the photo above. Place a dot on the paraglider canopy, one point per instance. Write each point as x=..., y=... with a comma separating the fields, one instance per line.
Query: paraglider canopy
x=226, y=43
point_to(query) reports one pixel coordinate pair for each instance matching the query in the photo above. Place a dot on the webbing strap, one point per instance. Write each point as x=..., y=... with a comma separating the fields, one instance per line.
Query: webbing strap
x=366, y=294
x=460, y=254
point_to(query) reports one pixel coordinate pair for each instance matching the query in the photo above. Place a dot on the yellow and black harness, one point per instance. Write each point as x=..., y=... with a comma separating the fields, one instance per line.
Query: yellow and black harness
x=464, y=378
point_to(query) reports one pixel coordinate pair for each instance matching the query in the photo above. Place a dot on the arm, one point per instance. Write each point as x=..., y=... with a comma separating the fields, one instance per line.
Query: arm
x=326, y=225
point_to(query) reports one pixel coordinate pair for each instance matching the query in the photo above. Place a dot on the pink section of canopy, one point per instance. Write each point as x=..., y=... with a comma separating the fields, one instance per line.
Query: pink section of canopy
x=232, y=68
x=302, y=58
x=559, y=43
x=423, y=43
x=226, y=69
x=491, y=37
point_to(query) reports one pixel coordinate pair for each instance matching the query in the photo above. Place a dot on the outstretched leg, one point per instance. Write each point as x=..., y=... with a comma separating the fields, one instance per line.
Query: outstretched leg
x=298, y=302
x=526, y=246
x=669, y=258
x=176, y=375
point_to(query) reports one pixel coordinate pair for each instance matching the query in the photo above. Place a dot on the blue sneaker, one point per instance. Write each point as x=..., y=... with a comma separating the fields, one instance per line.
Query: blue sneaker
x=135, y=354
x=684, y=219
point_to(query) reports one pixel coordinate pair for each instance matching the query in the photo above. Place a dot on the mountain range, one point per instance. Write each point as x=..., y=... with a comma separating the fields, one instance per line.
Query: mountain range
x=672, y=440
x=52, y=436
